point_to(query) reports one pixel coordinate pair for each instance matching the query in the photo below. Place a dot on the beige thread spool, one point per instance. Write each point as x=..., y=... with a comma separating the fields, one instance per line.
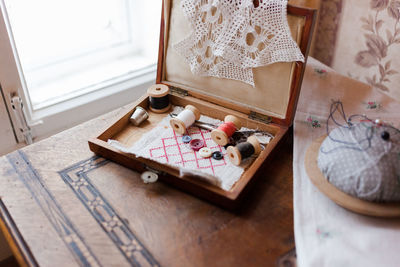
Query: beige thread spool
x=236, y=155
x=159, y=98
x=221, y=135
x=139, y=116
x=184, y=119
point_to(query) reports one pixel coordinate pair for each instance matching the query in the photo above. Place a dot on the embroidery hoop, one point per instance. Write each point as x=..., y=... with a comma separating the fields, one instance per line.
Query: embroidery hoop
x=387, y=210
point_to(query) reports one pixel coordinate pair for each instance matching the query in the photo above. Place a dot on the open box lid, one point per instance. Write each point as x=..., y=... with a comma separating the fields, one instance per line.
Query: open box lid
x=277, y=86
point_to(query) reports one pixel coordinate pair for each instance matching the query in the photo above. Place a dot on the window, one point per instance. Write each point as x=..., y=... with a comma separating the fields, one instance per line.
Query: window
x=68, y=49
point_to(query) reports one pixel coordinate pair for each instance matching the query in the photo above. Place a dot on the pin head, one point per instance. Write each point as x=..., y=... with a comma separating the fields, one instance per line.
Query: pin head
x=385, y=135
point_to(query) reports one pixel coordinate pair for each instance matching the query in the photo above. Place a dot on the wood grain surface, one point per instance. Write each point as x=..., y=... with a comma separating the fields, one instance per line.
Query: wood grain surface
x=20, y=249
x=121, y=213
x=72, y=208
x=9, y=262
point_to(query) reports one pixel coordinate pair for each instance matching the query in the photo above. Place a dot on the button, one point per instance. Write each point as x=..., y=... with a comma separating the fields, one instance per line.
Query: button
x=186, y=138
x=149, y=177
x=196, y=144
x=205, y=152
x=217, y=155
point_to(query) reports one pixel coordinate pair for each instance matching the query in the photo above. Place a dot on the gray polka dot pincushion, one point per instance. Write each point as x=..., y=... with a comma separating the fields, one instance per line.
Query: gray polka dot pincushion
x=363, y=160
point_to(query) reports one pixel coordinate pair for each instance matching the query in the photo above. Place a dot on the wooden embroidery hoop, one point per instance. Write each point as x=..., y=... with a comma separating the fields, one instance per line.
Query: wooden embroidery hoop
x=344, y=200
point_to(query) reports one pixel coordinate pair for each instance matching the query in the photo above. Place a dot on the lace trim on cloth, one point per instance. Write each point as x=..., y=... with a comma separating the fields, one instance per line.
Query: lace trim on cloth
x=230, y=37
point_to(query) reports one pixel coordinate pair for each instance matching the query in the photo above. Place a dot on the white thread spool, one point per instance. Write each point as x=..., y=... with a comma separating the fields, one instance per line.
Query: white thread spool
x=186, y=118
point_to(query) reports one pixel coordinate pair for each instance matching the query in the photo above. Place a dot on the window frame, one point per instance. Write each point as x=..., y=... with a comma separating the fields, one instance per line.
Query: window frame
x=55, y=117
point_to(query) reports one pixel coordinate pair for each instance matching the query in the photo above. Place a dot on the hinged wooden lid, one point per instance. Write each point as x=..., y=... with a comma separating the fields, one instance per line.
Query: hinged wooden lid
x=277, y=86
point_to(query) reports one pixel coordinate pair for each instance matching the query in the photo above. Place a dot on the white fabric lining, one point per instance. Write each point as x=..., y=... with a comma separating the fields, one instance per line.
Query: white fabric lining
x=224, y=176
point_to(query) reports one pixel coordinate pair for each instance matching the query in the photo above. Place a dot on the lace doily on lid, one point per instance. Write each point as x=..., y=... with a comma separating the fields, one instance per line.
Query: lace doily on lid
x=230, y=37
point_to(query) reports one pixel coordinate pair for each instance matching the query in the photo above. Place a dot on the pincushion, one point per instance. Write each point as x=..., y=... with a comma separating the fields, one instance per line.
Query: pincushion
x=363, y=160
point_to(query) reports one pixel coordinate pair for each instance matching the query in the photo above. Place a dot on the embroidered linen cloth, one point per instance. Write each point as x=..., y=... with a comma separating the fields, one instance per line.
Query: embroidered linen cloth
x=325, y=233
x=230, y=37
x=165, y=146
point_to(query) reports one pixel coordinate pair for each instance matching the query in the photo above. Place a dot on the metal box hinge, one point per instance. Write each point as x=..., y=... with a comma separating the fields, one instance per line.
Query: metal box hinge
x=178, y=91
x=18, y=109
x=260, y=117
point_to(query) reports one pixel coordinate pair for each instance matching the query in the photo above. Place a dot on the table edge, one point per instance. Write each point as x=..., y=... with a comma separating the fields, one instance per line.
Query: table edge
x=19, y=247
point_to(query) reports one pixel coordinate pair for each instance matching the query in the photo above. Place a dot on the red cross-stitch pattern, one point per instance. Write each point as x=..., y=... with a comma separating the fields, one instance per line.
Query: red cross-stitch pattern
x=172, y=150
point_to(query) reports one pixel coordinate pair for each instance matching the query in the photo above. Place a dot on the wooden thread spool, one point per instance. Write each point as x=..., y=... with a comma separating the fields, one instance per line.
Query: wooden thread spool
x=159, y=98
x=186, y=118
x=241, y=151
x=227, y=129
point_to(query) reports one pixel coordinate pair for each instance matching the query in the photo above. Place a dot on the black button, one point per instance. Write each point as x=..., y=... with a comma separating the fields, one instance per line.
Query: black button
x=217, y=155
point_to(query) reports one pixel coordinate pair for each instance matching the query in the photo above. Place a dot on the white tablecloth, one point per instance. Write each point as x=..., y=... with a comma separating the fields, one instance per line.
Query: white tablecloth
x=327, y=234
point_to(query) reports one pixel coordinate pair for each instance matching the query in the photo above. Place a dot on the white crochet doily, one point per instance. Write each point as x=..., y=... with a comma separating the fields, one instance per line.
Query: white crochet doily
x=230, y=37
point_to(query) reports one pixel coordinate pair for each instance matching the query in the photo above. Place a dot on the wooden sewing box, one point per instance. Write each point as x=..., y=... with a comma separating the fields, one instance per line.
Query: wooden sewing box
x=269, y=106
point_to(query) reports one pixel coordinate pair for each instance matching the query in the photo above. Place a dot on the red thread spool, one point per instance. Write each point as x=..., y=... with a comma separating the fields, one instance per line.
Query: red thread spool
x=227, y=129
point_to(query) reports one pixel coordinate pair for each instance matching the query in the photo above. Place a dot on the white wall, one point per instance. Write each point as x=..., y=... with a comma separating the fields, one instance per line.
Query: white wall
x=7, y=139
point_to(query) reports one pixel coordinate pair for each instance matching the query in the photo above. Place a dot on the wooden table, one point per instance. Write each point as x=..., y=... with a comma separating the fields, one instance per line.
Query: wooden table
x=63, y=206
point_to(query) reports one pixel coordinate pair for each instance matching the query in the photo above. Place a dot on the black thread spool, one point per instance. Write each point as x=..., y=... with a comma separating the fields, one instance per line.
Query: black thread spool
x=241, y=151
x=159, y=98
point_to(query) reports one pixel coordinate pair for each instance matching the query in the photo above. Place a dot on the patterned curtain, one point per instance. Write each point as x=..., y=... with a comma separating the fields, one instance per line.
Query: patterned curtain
x=361, y=39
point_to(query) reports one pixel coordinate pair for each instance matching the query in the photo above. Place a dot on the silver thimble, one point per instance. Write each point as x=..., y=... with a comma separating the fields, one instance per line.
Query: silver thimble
x=139, y=116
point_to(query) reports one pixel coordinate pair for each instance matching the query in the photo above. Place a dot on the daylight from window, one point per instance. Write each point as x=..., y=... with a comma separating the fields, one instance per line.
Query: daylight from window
x=70, y=47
